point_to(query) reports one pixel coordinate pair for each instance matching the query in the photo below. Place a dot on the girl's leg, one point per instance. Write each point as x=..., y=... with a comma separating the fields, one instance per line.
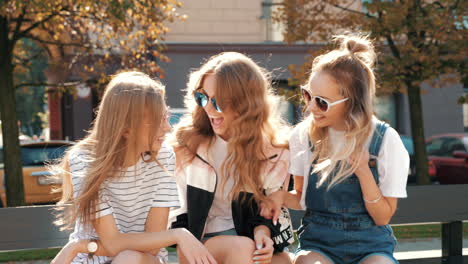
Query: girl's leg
x=231, y=249
x=306, y=257
x=377, y=259
x=131, y=256
x=281, y=258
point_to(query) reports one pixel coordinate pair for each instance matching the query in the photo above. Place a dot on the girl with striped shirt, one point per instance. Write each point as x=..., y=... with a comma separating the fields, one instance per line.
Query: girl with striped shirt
x=119, y=183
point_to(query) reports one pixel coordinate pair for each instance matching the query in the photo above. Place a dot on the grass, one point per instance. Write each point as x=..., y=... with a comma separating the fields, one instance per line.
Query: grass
x=423, y=231
x=25, y=255
x=401, y=232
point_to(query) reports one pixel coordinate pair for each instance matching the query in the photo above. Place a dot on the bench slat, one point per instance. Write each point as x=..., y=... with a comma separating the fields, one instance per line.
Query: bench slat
x=30, y=228
x=425, y=204
x=433, y=203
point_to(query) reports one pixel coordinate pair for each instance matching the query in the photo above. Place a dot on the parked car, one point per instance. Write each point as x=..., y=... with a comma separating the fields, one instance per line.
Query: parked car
x=37, y=184
x=448, y=158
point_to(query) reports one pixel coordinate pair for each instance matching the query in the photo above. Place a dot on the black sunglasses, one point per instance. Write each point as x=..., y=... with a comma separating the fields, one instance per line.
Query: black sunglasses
x=202, y=100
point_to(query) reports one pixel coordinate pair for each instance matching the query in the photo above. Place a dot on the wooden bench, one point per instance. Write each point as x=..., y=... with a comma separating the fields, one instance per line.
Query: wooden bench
x=30, y=227
x=33, y=228
x=444, y=204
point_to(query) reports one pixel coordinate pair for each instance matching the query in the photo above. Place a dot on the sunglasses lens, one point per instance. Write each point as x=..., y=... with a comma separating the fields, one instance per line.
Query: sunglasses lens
x=321, y=104
x=215, y=105
x=201, y=99
x=306, y=95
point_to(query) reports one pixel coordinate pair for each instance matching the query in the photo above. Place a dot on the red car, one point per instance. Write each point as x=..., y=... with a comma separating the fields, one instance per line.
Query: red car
x=448, y=158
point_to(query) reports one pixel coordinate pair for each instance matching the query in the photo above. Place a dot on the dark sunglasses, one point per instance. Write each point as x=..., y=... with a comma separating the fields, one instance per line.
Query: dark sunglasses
x=323, y=104
x=202, y=100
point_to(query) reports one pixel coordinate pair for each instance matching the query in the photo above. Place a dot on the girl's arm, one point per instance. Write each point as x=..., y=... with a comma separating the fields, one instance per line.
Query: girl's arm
x=111, y=242
x=379, y=207
x=263, y=244
x=292, y=199
x=157, y=222
x=69, y=252
x=271, y=209
x=114, y=241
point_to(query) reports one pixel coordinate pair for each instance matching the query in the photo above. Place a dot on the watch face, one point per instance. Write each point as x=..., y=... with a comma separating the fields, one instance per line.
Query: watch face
x=92, y=247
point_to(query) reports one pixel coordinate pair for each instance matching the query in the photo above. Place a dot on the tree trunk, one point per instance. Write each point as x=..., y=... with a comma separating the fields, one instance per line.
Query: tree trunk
x=11, y=148
x=417, y=132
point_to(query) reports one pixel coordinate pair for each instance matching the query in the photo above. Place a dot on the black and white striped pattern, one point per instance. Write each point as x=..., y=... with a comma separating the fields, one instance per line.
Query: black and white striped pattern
x=128, y=197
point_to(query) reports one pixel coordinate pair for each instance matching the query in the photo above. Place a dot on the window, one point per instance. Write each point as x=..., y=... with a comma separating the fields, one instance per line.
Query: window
x=455, y=144
x=435, y=147
x=445, y=146
x=40, y=155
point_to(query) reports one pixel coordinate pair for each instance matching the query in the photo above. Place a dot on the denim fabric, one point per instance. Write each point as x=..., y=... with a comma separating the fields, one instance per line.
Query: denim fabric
x=337, y=222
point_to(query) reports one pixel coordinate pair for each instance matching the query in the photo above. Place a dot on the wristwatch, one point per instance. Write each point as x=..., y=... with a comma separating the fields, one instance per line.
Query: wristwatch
x=92, y=247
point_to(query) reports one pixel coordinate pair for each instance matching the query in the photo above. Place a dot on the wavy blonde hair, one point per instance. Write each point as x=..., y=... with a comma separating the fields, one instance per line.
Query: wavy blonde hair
x=245, y=89
x=127, y=97
x=351, y=67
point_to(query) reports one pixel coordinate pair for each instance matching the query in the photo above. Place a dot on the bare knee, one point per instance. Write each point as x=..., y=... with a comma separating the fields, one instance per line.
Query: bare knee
x=281, y=258
x=377, y=260
x=306, y=257
x=129, y=256
x=236, y=244
x=243, y=244
x=231, y=249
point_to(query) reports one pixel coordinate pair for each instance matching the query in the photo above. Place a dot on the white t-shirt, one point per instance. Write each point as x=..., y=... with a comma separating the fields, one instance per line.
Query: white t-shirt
x=220, y=214
x=393, y=159
x=128, y=197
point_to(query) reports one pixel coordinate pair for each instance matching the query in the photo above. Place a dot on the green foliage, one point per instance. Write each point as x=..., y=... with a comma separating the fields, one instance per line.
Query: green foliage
x=84, y=40
x=31, y=99
x=418, y=40
x=86, y=34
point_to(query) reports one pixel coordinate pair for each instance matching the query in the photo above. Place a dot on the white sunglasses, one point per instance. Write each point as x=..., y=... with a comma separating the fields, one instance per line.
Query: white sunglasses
x=323, y=104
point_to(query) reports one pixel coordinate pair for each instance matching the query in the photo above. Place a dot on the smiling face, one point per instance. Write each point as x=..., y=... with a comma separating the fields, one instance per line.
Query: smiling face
x=219, y=121
x=323, y=85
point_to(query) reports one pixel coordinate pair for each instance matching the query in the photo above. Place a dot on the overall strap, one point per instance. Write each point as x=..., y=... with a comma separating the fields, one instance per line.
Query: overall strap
x=377, y=138
x=374, y=147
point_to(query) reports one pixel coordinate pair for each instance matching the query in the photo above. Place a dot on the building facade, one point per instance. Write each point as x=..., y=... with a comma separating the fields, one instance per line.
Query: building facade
x=214, y=26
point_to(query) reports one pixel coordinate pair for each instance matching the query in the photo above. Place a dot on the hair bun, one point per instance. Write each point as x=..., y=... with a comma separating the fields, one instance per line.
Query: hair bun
x=358, y=46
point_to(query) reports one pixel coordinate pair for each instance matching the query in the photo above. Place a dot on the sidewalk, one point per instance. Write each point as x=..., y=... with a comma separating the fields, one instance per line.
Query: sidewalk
x=422, y=247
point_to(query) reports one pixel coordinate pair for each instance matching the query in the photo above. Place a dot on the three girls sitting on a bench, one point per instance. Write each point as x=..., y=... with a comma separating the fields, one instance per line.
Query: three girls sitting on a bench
x=230, y=153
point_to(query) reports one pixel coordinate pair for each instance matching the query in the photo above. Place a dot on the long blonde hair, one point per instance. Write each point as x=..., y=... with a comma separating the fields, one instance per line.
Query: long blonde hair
x=351, y=67
x=244, y=88
x=127, y=97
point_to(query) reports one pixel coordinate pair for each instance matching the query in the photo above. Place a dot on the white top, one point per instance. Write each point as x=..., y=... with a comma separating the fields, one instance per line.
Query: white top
x=128, y=197
x=393, y=159
x=220, y=214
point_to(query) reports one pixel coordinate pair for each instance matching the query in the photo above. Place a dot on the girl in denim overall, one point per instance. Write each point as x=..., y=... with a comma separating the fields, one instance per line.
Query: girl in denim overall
x=349, y=167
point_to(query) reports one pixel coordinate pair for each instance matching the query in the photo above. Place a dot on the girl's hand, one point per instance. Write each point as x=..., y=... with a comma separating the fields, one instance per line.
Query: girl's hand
x=264, y=246
x=194, y=251
x=362, y=163
x=69, y=252
x=271, y=208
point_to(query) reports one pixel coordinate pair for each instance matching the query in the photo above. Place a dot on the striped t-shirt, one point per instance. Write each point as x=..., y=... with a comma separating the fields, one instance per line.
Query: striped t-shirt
x=129, y=196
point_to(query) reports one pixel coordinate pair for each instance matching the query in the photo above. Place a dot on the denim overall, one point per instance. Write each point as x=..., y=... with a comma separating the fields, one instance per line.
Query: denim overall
x=337, y=224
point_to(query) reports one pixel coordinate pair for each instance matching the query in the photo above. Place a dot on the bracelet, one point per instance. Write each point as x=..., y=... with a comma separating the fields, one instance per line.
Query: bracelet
x=373, y=201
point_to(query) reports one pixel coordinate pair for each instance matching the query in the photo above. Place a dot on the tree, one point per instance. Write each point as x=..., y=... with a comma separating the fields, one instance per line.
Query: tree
x=31, y=100
x=419, y=41
x=74, y=34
